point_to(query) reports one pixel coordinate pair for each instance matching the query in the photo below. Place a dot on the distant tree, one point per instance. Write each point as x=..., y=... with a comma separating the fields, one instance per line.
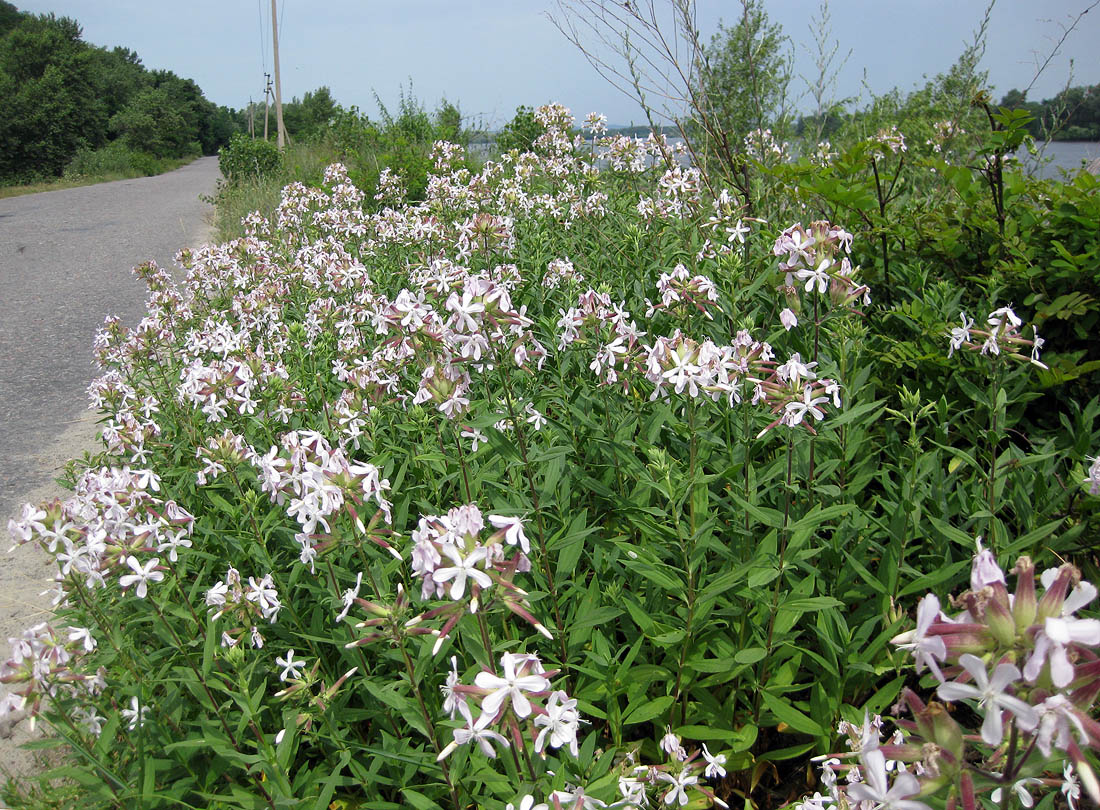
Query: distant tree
x=318, y=109
x=448, y=122
x=521, y=132
x=117, y=75
x=743, y=78
x=309, y=117
x=51, y=106
x=10, y=17
x=152, y=122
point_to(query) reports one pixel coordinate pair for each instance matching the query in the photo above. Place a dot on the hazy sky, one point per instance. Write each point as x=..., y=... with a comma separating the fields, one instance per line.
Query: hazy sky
x=489, y=56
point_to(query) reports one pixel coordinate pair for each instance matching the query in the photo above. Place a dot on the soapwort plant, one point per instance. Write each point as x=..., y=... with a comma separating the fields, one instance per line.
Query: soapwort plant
x=562, y=486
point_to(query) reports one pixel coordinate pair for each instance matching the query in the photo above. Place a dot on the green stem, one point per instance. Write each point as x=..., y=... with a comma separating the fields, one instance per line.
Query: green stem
x=784, y=537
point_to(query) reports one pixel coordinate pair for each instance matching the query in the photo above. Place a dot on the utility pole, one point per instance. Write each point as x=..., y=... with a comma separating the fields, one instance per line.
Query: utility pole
x=280, y=137
x=267, y=101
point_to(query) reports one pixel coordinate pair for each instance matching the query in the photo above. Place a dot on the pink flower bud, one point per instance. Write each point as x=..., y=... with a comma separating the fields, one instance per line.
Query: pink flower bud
x=1001, y=622
x=1024, y=604
x=1057, y=586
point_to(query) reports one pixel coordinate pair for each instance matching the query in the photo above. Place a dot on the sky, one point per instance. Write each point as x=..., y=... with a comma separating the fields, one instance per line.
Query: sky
x=490, y=56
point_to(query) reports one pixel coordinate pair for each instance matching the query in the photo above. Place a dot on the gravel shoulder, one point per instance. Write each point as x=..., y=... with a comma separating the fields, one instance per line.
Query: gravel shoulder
x=65, y=260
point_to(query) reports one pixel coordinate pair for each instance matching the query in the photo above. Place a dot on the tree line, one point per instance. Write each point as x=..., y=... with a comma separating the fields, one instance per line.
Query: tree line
x=62, y=95
x=1072, y=115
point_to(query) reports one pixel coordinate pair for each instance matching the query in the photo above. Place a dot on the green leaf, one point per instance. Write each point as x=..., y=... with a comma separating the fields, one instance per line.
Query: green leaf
x=786, y=713
x=646, y=711
x=418, y=800
x=749, y=655
x=736, y=740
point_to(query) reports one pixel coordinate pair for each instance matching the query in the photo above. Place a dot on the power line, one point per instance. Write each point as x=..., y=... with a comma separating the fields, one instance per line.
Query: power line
x=263, y=40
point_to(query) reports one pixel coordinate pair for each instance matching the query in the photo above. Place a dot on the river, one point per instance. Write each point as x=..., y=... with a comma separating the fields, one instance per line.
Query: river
x=1059, y=155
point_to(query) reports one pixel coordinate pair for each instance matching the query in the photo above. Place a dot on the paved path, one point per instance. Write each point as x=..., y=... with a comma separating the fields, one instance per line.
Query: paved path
x=65, y=259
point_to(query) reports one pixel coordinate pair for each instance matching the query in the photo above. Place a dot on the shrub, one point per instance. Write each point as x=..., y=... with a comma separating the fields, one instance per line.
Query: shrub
x=244, y=157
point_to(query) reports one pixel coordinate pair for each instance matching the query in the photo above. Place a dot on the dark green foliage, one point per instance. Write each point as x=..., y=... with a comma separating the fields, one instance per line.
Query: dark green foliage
x=152, y=120
x=310, y=117
x=743, y=77
x=520, y=133
x=1072, y=115
x=63, y=96
x=400, y=142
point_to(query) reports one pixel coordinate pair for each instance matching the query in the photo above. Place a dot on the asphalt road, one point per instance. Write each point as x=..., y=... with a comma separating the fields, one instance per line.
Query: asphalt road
x=65, y=261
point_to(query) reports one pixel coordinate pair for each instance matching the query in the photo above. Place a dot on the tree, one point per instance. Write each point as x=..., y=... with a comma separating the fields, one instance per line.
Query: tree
x=51, y=104
x=520, y=133
x=743, y=79
x=10, y=17
x=152, y=122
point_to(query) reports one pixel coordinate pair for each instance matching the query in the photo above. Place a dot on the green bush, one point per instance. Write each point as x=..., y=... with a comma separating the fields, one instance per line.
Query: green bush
x=246, y=157
x=519, y=133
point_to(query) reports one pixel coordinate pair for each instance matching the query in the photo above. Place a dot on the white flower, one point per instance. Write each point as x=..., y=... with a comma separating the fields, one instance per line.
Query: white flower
x=349, y=597
x=714, y=764
x=559, y=724
x=508, y=687
x=959, y=335
x=817, y=276
x=1070, y=787
x=534, y=418
x=290, y=666
x=1021, y=791
x=462, y=570
x=526, y=803
x=678, y=793
x=874, y=788
x=452, y=700
x=134, y=715
x=513, y=531
x=480, y=733
x=991, y=696
x=84, y=636
x=788, y=319
x=670, y=744
x=926, y=649
x=265, y=596
x=142, y=575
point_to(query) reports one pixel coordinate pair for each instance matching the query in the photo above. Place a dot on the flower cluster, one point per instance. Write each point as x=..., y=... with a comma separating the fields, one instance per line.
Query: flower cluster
x=1002, y=337
x=1024, y=661
x=818, y=258
x=316, y=481
x=681, y=294
x=677, y=782
x=678, y=364
x=519, y=698
x=453, y=561
x=244, y=605
x=761, y=145
x=107, y=528
x=561, y=271
x=44, y=664
x=888, y=141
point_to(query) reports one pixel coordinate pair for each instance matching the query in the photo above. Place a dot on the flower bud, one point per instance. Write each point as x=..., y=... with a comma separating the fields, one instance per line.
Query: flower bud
x=1055, y=595
x=1024, y=605
x=945, y=732
x=1001, y=622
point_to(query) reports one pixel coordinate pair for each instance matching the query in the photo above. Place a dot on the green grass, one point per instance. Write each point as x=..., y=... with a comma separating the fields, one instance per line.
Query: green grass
x=303, y=162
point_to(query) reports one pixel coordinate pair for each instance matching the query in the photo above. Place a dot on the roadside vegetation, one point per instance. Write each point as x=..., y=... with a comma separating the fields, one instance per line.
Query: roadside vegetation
x=597, y=470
